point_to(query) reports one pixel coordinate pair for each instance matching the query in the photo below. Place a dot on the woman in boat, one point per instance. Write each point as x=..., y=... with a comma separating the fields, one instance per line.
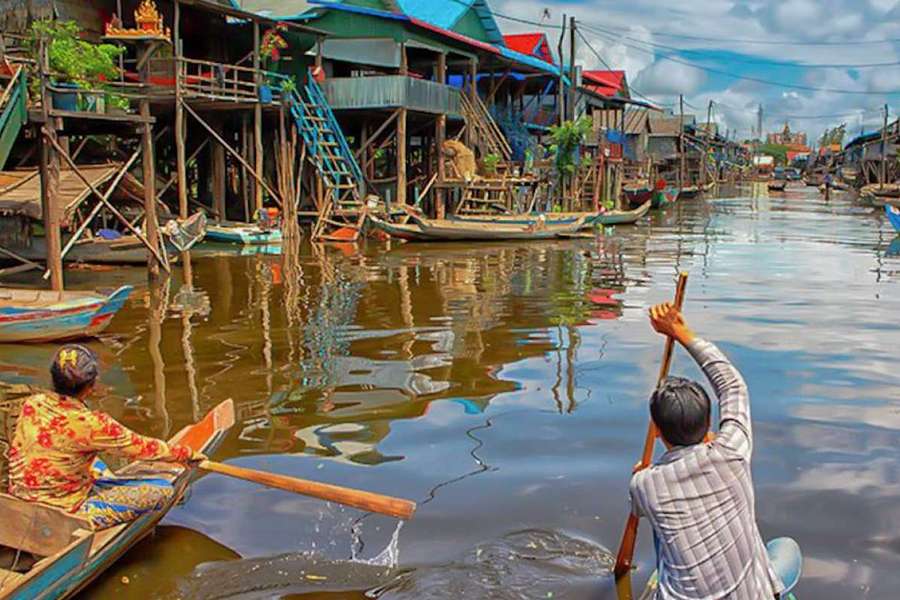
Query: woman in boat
x=53, y=454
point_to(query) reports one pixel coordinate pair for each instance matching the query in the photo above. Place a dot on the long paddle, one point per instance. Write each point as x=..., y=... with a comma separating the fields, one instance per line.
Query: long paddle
x=385, y=505
x=626, y=548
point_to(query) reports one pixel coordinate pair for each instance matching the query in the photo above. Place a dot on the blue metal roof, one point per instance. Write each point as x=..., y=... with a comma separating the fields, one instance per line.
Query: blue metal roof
x=447, y=14
x=531, y=61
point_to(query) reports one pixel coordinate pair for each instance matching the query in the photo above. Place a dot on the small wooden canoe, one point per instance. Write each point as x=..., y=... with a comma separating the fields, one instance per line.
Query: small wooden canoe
x=71, y=555
x=46, y=316
x=245, y=234
x=445, y=230
x=590, y=219
x=777, y=185
x=636, y=195
x=689, y=191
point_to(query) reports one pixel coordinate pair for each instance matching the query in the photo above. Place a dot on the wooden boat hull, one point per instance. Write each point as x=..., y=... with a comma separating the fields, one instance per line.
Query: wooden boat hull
x=637, y=196
x=690, y=191
x=427, y=230
x=41, y=316
x=778, y=187
x=243, y=234
x=590, y=219
x=86, y=558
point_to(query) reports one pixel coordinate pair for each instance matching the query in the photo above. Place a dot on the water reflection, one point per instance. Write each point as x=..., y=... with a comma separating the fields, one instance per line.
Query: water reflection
x=504, y=386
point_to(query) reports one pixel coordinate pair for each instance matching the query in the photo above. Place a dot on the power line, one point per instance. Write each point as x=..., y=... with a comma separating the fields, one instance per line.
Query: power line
x=746, y=77
x=606, y=64
x=752, y=60
x=768, y=42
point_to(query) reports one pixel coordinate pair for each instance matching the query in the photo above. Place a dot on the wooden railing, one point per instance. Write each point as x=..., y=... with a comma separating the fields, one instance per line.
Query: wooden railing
x=218, y=81
x=487, y=134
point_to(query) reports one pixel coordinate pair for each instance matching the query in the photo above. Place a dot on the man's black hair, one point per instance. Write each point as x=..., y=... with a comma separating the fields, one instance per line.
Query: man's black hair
x=680, y=408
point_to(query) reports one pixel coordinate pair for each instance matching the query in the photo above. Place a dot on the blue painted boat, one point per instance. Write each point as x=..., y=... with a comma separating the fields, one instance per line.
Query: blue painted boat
x=47, y=316
x=242, y=233
x=893, y=215
x=71, y=555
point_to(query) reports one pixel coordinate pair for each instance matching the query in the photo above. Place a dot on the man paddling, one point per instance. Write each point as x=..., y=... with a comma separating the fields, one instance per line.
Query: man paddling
x=699, y=495
x=53, y=454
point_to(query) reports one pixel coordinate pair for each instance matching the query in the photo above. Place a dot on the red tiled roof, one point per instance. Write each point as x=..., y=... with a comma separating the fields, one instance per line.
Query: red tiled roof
x=533, y=44
x=605, y=83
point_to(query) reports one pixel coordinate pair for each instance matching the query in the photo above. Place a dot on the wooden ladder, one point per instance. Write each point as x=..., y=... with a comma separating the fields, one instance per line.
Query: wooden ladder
x=341, y=207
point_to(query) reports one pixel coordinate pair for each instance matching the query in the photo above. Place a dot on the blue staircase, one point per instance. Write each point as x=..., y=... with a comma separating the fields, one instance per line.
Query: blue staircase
x=327, y=148
x=13, y=113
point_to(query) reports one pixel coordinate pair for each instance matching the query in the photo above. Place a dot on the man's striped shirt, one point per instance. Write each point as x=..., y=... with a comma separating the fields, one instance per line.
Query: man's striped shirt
x=701, y=503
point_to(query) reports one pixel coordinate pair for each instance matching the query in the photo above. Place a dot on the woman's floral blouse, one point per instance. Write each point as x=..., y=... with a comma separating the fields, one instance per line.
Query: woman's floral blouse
x=57, y=439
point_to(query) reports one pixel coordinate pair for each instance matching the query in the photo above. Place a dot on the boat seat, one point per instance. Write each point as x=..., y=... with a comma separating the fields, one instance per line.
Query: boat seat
x=37, y=528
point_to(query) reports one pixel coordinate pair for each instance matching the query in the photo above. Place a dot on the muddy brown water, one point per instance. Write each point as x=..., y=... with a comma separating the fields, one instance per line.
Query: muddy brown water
x=504, y=388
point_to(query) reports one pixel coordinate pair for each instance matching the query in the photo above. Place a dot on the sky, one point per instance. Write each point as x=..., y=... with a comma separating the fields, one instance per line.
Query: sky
x=815, y=51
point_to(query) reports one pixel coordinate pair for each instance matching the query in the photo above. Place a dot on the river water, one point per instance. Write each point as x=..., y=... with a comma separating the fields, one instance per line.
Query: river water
x=504, y=387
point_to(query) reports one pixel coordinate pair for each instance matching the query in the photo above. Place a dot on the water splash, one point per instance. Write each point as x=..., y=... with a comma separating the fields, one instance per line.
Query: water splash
x=389, y=557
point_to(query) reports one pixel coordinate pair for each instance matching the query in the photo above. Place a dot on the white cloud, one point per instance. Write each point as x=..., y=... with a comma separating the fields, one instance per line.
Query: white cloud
x=667, y=78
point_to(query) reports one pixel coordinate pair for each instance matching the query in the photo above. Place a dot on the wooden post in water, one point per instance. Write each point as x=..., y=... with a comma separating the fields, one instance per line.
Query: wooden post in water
x=148, y=167
x=401, y=136
x=561, y=92
x=440, y=134
x=681, y=171
x=180, y=130
x=257, y=121
x=882, y=176
x=218, y=174
x=49, y=173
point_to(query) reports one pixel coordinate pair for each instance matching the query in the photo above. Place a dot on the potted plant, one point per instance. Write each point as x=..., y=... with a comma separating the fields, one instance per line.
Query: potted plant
x=74, y=63
x=490, y=163
x=270, y=52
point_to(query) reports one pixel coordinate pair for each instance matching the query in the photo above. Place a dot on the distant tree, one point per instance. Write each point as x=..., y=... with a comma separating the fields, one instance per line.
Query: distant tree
x=777, y=151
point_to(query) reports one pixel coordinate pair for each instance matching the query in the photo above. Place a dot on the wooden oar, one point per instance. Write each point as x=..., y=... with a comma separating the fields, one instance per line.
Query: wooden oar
x=626, y=548
x=385, y=505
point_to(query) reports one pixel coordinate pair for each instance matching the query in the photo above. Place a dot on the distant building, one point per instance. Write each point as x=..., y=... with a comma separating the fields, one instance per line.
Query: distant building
x=787, y=138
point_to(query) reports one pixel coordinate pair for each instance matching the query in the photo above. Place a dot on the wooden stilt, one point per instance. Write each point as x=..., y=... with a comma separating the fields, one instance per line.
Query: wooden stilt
x=440, y=134
x=257, y=123
x=50, y=180
x=401, y=157
x=180, y=129
x=151, y=221
x=218, y=176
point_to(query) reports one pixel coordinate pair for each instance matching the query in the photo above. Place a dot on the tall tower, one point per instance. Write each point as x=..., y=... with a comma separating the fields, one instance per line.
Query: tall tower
x=759, y=123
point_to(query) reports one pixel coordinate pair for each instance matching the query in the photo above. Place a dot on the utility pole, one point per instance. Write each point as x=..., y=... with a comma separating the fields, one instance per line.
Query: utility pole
x=681, y=172
x=883, y=175
x=561, y=95
x=573, y=92
x=706, y=141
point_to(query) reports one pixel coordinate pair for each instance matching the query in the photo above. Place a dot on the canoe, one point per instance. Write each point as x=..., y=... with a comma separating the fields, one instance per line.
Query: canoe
x=590, y=219
x=445, y=230
x=71, y=554
x=245, y=234
x=46, y=316
x=777, y=186
x=893, y=215
x=637, y=195
x=689, y=191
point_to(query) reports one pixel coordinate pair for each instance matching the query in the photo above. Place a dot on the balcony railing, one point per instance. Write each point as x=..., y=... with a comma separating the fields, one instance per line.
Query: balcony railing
x=391, y=91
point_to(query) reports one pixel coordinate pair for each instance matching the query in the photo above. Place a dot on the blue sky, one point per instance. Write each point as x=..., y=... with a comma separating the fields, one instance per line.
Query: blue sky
x=643, y=36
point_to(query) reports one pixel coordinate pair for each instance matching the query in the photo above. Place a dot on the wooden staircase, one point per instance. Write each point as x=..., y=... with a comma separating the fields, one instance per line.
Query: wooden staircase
x=341, y=208
x=486, y=134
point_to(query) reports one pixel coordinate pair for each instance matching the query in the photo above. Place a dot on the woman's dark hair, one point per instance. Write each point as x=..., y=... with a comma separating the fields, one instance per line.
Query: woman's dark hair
x=680, y=408
x=74, y=368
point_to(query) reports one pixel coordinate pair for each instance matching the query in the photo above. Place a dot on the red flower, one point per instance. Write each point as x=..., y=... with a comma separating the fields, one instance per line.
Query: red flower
x=44, y=439
x=30, y=480
x=181, y=453
x=13, y=453
x=28, y=410
x=150, y=448
x=112, y=429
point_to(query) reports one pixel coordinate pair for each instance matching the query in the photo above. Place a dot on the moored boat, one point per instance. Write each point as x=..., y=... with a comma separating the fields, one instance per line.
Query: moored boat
x=47, y=316
x=777, y=185
x=590, y=219
x=71, y=555
x=246, y=234
x=446, y=230
x=636, y=195
x=689, y=191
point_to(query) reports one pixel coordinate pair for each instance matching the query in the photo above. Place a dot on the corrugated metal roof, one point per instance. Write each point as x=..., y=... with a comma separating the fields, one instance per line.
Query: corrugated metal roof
x=606, y=83
x=533, y=44
x=273, y=8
